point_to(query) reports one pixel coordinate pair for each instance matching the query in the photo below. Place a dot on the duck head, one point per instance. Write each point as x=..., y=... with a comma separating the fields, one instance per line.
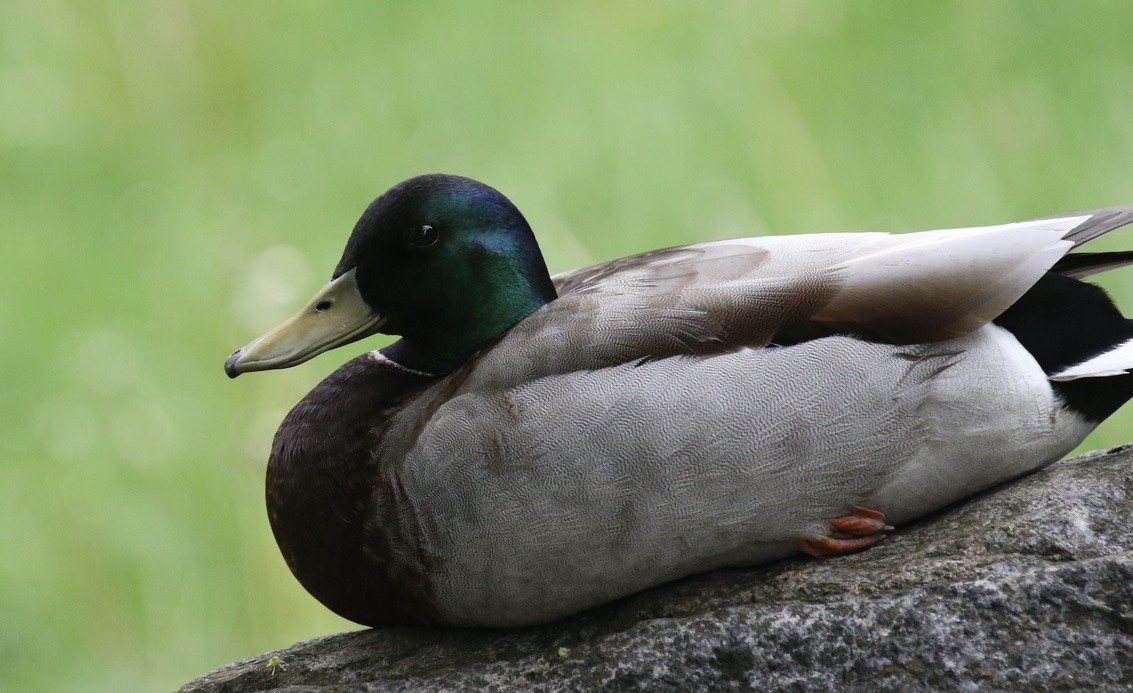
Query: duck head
x=446, y=262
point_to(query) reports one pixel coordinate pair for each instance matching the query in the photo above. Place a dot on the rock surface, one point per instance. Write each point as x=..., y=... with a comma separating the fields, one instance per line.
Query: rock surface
x=1028, y=586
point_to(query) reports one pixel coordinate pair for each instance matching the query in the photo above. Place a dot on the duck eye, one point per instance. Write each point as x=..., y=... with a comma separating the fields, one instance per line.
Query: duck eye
x=423, y=236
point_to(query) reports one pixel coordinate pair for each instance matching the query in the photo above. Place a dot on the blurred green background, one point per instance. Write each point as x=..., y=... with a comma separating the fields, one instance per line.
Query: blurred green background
x=177, y=176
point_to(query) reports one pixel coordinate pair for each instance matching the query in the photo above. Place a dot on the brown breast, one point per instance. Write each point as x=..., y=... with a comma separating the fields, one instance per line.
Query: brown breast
x=335, y=510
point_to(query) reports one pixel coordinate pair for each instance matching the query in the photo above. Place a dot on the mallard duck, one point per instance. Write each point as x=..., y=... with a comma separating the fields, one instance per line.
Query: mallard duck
x=533, y=446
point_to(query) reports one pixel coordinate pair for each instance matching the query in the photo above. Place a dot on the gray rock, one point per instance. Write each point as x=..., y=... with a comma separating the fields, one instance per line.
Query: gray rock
x=1029, y=586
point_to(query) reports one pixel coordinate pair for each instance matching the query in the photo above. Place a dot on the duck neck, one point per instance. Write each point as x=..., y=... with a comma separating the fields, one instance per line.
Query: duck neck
x=446, y=340
x=441, y=351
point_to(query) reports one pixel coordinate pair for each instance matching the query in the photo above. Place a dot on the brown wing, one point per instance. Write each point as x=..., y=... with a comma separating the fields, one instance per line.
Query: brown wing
x=722, y=296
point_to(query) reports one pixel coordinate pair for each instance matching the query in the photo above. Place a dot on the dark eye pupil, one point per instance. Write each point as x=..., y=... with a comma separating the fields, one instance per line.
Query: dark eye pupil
x=423, y=236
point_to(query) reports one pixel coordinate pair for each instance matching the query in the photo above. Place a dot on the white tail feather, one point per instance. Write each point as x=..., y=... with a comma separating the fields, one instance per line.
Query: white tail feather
x=1116, y=361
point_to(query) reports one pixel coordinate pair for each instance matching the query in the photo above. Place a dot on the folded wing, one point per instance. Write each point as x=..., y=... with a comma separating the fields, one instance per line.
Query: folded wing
x=721, y=296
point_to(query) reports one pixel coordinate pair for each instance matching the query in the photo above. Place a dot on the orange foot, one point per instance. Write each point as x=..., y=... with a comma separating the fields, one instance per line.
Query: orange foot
x=859, y=529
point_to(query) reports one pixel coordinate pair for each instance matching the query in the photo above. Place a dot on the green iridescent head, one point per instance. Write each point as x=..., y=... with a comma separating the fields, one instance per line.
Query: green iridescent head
x=446, y=262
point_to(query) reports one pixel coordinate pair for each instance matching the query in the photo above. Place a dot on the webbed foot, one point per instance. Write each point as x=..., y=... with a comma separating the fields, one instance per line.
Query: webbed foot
x=861, y=528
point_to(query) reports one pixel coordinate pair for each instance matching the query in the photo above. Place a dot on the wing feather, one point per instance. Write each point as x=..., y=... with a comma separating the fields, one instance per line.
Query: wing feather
x=721, y=296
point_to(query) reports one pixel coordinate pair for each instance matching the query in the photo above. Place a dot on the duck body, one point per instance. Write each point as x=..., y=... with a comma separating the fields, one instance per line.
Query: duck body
x=706, y=406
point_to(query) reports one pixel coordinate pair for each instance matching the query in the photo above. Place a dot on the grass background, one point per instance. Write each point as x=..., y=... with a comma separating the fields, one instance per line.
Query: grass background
x=176, y=176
